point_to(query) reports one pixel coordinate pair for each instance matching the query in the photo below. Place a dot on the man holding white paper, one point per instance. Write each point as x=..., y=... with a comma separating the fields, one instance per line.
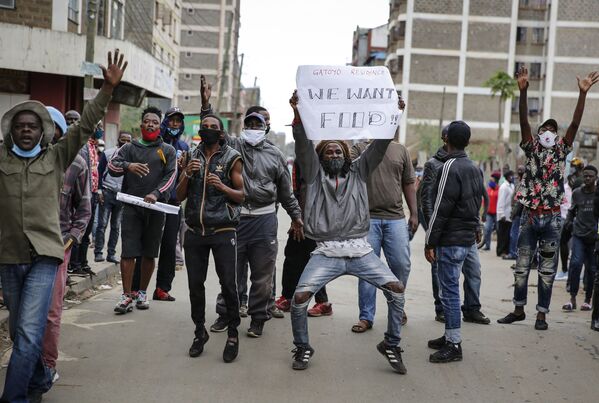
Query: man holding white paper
x=149, y=166
x=336, y=217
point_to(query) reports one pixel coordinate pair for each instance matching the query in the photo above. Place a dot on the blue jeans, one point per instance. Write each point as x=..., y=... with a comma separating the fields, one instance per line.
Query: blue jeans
x=394, y=238
x=490, y=226
x=27, y=294
x=321, y=270
x=540, y=231
x=112, y=210
x=471, y=272
x=450, y=260
x=514, y=233
x=582, y=253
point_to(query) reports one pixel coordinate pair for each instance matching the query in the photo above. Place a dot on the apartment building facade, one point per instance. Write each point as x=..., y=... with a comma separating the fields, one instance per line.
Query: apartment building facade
x=43, y=59
x=441, y=52
x=209, y=38
x=370, y=46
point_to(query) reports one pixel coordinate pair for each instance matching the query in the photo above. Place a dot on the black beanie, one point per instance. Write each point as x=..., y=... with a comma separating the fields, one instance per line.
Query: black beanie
x=458, y=134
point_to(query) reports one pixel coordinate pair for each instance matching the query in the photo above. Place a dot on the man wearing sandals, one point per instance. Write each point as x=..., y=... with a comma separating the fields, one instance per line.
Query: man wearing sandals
x=541, y=193
x=584, y=234
x=336, y=218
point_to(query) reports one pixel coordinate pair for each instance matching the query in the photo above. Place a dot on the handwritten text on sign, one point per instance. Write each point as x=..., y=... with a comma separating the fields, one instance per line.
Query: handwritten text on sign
x=347, y=103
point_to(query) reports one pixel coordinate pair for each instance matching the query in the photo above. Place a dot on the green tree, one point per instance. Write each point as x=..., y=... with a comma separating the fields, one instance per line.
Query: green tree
x=504, y=86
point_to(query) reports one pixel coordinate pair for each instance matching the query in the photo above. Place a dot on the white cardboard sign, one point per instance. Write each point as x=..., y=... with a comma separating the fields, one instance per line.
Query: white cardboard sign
x=347, y=103
x=138, y=201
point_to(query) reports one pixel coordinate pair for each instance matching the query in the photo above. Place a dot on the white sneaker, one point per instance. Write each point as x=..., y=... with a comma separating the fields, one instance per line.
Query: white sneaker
x=142, y=300
x=561, y=276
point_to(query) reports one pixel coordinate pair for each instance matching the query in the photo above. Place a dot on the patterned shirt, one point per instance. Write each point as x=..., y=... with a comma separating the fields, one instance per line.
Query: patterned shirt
x=542, y=186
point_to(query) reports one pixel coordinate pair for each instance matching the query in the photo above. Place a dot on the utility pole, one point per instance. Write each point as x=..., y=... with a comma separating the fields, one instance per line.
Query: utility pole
x=90, y=41
x=442, y=111
x=225, y=66
x=237, y=95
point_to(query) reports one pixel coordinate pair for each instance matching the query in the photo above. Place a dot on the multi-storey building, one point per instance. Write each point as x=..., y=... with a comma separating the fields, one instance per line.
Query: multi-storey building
x=43, y=58
x=442, y=51
x=209, y=37
x=370, y=46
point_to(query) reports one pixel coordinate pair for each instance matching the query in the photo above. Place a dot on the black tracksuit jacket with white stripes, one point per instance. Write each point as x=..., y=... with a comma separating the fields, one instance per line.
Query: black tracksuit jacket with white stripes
x=458, y=197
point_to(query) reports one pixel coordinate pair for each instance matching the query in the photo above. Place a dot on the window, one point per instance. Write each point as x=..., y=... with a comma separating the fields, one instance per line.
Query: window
x=187, y=54
x=535, y=71
x=187, y=76
x=533, y=106
x=186, y=97
x=101, y=16
x=521, y=35
x=73, y=12
x=190, y=11
x=116, y=20
x=538, y=35
x=9, y=4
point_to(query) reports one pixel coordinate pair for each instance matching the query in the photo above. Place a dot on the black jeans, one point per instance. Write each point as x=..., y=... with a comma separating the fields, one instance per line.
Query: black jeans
x=197, y=253
x=111, y=210
x=503, y=237
x=297, y=255
x=79, y=252
x=564, y=247
x=168, y=252
x=261, y=255
x=595, y=314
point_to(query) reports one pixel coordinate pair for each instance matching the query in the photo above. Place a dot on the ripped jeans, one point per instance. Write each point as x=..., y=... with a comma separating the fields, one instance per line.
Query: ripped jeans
x=321, y=270
x=542, y=232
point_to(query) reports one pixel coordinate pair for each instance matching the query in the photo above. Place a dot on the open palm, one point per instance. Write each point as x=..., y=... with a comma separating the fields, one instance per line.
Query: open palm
x=113, y=73
x=586, y=83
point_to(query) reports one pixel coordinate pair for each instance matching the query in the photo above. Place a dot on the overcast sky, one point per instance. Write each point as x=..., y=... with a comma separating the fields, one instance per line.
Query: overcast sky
x=279, y=35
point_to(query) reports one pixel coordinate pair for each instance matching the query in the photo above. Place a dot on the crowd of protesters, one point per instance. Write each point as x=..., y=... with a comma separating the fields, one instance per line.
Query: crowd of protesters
x=345, y=201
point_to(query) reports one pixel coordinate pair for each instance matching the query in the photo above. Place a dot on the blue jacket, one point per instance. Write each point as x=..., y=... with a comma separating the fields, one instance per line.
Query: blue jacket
x=179, y=145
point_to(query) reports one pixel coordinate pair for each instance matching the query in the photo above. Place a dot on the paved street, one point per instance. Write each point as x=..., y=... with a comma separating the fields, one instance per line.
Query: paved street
x=142, y=356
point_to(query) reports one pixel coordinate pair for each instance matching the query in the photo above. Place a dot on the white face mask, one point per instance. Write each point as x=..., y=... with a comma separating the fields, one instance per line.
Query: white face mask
x=253, y=136
x=547, y=139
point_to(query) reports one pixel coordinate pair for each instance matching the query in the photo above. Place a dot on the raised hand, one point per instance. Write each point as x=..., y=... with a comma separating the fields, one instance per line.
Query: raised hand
x=206, y=91
x=522, y=77
x=113, y=73
x=401, y=103
x=293, y=101
x=585, y=84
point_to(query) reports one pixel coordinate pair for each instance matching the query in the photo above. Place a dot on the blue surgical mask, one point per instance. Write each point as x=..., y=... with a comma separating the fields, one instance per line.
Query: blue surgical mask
x=34, y=152
x=99, y=133
x=173, y=132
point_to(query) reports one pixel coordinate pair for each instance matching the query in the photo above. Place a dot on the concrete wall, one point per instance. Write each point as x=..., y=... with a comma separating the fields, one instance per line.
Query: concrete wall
x=577, y=42
x=440, y=70
x=193, y=83
x=564, y=76
x=481, y=108
x=438, y=6
x=427, y=105
x=579, y=10
x=480, y=70
x=494, y=8
x=33, y=13
x=436, y=35
x=198, y=61
x=209, y=18
x=197, y=38
x=485, y=37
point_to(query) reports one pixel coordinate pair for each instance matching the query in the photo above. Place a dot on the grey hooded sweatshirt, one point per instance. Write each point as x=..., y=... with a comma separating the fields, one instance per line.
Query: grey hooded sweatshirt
x=341, y=214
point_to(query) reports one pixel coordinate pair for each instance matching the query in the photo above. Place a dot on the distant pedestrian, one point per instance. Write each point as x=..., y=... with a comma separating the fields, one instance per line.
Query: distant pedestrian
x=490, y=219
x=504, y=214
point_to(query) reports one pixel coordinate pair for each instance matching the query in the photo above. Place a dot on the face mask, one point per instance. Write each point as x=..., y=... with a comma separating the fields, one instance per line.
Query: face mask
x=333, y=167
x=547, y=139
x=492, y=184
x=253, y=136
x=28, y=154
x=210, y=136
x=172, y=132
x=101, y=149
x=98, y=134
x=149, y=136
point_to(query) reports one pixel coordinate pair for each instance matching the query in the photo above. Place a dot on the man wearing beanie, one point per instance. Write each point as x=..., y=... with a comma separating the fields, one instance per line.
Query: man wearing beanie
x=541, y=194
x=336, y=217
x=452, y=234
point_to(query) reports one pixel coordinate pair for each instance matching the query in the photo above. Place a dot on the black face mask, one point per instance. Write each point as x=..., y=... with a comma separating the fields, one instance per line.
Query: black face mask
x=267, y=129
x=210, y=136
x=333, y=167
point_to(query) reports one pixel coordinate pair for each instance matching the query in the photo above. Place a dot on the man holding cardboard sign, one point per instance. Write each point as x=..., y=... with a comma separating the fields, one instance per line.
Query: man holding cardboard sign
x=336, y=217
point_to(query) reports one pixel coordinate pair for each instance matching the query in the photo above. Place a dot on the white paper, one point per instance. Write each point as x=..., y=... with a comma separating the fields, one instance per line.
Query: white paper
x=347, y=103
x=138, y=201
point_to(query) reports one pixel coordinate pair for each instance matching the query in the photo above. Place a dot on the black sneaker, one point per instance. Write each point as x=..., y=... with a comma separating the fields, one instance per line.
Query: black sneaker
x=231, y=350
x=255, y=329
x=595, y=325
x=437, y=344
x=219, y=325
x=98, y=258
x=88, y=271
x=301, y=357
x=393, y=355
x=35, y=396
x=541, y=324
x=78, y=272
x=448, y=353
x=113, y=259
x=197, y=347
x=440, y=317
x=511, y=318
x=476, y=317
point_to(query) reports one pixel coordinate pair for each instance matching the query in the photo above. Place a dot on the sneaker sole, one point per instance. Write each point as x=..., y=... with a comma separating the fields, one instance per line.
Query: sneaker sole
x=121, y=311
x=217, y=330
x=478, y=322
x=381, y=350
x=142, y=307
x=455, y=359
x=254, y=335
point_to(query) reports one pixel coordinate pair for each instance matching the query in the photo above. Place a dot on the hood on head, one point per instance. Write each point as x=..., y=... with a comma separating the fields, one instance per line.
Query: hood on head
x=33, y=106
x=58, y=118
x=164, y=127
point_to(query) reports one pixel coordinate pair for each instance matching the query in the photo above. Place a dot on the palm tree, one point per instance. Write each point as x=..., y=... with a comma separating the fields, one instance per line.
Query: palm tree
x=504, y=85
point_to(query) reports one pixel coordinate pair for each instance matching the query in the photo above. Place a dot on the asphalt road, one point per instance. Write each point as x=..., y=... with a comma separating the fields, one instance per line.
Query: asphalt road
x=142, y=356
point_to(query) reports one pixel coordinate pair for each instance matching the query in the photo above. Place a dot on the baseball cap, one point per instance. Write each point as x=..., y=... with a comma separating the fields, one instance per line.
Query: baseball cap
x=255, y=115
x=174, y=110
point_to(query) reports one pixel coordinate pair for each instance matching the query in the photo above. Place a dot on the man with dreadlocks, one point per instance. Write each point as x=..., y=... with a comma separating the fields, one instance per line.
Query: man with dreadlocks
x=336, y=217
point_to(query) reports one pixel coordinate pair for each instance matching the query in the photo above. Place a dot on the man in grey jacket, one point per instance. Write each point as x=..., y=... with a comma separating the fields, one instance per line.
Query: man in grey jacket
x=336, y=214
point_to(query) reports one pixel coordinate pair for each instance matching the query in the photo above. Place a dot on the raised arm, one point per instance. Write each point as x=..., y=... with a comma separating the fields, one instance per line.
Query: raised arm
x=525, y=131
x=584, y=85
x=206, y=91
x=304, y=150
